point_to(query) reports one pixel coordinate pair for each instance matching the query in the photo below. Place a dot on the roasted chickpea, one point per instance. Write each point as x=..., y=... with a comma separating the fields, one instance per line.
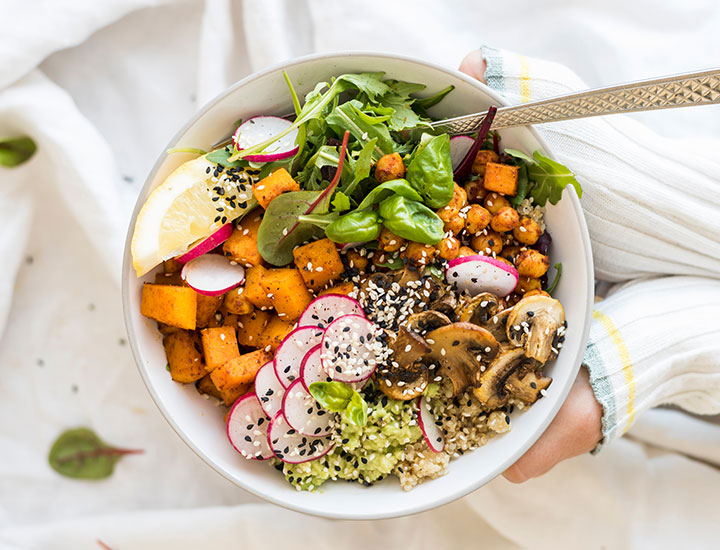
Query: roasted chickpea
x=478, y=218
x=528, y=232
x=494, y=202
x=504, y=260
x=466, y=251
x=481, y=160
x=448, y=213
x=356, y=261
x=419, y=254
x=506, y=219
x=236, y=302
x=528, y=284
x=455, y=225
x=531, y=263
x=448, y=248
x=475, y=191
x=389, y=241
x=536, y=292
x=511, y=252
x=389, y=167
x=487, y=243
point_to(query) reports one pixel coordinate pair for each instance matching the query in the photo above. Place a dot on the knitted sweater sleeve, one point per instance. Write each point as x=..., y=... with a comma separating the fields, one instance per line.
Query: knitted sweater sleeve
x=653, y=211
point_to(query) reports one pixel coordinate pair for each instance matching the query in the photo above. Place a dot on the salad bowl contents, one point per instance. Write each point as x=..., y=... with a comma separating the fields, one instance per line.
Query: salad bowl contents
x=367, y=297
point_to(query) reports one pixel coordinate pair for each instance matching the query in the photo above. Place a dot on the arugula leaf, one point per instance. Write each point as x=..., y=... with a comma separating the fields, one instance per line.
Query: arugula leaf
x=341, y=202
x=523, y=186
x=221, y=156
x=363, y=165
x=550, y=177
x=431, y=101
x=348, y=116
x=15, y=151
x=194, y=150
x=558, y=273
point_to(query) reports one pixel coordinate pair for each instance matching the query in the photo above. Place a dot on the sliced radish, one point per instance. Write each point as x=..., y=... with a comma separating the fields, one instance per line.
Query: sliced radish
x=478, y=274
x=351, y=349
x=212, y=274
x=291, y=446
x=292, y=350
x=311, y=369
x=459, y=148
x=429, y=425
x=261, y=128
x=247, y=428
x=325, y=309
x=348, y=246
x=305, y=414
x=269, y=390
x=205, y=246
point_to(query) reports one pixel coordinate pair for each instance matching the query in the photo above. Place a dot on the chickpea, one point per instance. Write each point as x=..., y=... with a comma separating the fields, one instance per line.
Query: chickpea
x=488, y=243
x=466, y=251
x=236, y=302
x=506, y=219
x=531, y=263
x=536, y=292
x=448, y=248
x=511, y=252
x=475, y=191
x=389, y=167
x=494, y=202
x=528, y=232
x=481, y=160
x=419, y=254
x=455, y=225
x=459, y=198
x=356, y=261
x=448, y=213
x=504, y=260
x=478, y=218
x=528, y=284
x=389, y=241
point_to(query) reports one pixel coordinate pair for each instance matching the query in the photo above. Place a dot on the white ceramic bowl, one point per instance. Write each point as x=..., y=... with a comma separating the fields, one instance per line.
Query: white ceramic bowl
x=199, y=422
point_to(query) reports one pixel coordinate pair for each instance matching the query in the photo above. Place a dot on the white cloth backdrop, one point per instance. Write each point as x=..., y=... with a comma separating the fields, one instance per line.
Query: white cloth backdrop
x=102, y=86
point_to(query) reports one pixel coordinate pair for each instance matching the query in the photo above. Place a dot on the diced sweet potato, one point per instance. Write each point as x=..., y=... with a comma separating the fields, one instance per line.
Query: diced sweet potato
x=274, y=185
x=239, y=370
x=206, y=386
x=230, y=395
x=319, y=263
x=184, y=356
x=251, y=327
x=254, y=289
x=207, y=306
x=219, y=345
x=167, y=329
x=172, y=305
x=236, y=302
x=242, y=244
x=342, y=288
x=275, y=331
x=481, y=160
x=501, y=178
x=288, y=292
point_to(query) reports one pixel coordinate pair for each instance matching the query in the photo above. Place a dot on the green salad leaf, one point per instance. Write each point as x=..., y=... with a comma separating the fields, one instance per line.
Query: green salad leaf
x=349, y=116
x=549, y=177
x=340, y=397
x=411, y=220
x=558, y=273
x=387, y=189
x=358, y=226
x=430, y=171
x=15, y=151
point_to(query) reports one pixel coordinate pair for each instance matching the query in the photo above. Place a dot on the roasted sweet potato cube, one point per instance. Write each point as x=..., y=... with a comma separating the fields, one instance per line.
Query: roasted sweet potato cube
x=342, y=288
x=230, y=395
x=242, y=244
x=207, y=306
x=239, y=370
x=251, y=327
x=288, y=292
x=219, y=345
x=236, y=302
x=206, y=386
x=274, y=185
x=501, y=178
x=255, y=290
x=481, y=160
x=275, y=331
x=319, y=263
x=184, y=356
x=172, y=305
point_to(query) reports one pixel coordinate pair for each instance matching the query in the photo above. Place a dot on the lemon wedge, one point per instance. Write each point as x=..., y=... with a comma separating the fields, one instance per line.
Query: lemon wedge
x=192, y=203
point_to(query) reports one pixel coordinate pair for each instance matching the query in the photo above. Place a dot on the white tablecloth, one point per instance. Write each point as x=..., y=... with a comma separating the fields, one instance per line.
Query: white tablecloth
x=101, y=87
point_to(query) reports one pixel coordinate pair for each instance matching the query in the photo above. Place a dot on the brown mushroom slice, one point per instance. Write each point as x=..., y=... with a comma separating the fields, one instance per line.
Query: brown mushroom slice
x=526, y=387
x=377, y=280
x=491, y=390
x=533, y=324
x=462, y=350
x=426, y=321
x=486, y=311
x=406, y=377
x=445, y=304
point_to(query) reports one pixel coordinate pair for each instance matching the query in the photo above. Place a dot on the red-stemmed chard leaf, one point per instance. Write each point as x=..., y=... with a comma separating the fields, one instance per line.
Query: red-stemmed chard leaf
x=463, y=171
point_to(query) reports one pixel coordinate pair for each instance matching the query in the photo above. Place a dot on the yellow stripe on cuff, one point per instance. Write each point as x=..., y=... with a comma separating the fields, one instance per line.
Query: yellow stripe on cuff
x=524, y=79
x=624, y=354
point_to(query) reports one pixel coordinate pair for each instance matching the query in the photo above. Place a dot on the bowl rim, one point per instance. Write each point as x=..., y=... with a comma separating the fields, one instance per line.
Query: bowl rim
x=127, y=272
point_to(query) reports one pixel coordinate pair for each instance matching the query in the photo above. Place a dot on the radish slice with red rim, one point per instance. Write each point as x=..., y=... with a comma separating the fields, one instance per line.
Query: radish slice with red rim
x=459, y=148
x=352, y=349
x=269, y=390
x=325, y=309
x=291, y=446
x=429, y=425
x=311, y=369
x=477, y=274
x=305, y=414
x=212, y=274
x=206, y=245
x=247, y=428
x=292, y=350
x=261, y=128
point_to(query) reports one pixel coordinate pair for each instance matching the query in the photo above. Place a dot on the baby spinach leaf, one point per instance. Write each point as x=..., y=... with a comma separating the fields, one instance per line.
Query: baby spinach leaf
x=411, y=220
x=387, y=189
x=356, y=410
x=79, y=453
x=357, y=226
x=15, y=151
x=430, y=171
x=334, y=396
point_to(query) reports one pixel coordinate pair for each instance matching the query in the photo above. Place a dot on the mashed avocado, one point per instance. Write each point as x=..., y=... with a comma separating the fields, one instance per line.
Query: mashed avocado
x=365, y=454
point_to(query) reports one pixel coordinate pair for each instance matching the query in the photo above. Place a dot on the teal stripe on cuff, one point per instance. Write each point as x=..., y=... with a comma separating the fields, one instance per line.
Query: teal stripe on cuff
x=602, y=388
x=494, y=70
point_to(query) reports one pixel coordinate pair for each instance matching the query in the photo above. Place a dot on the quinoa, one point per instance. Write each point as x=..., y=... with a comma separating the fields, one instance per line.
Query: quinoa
x=535, y=213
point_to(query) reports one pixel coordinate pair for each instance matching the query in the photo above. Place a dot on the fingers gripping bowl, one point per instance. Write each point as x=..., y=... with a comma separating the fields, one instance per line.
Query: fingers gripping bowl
x=199, y=421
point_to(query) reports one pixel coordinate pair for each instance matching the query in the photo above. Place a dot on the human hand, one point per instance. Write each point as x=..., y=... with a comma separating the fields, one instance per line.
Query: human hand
x=577, y=427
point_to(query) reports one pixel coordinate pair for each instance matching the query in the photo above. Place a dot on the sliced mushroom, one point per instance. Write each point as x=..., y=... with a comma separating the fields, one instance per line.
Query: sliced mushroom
x=491, y=390
x=445, y=304
x=533, y=324
x=406, y=377
x=426, y=321
x=487, y=311
x=408, y=274
x=462, y=350
x=526, y=386
x=379, y=280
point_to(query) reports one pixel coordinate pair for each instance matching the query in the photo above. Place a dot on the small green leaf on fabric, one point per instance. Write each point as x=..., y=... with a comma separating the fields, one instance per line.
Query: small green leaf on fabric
x=15, y=151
